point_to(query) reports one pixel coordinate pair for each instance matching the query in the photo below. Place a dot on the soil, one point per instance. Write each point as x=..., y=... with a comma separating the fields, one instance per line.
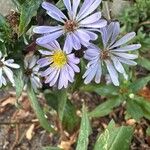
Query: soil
x=20, y=130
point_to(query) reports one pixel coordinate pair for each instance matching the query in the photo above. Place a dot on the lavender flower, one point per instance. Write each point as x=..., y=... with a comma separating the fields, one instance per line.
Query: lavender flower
x=112, y=55
x=61, y=67
x=5, y=66
x=32, y=71
x=76, y=27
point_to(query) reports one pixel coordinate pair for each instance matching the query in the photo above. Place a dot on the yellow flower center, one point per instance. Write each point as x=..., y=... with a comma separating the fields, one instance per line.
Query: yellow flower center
x=59, y=59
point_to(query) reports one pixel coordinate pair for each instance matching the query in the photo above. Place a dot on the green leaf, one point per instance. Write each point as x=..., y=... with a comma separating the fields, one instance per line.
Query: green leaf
x=104, y=90
x=38, y=110
x=134, y=110
x=62, y=97
x=145, y=106
x=139, y=84
x=85, y=130
x=106, y=107
x=28, y=10
x=18, y=76
x=51, y=148
x=114, y=138
x=145, y=63
x=60, y=4
x=70, y=119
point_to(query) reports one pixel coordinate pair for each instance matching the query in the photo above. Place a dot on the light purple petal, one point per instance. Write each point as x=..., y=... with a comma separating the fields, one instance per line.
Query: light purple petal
x=74, y=67
x=73, y=59
x=124, y=39
x=75, y=41
x=75, y=6
x=68, y=5
x=92, y=35
x=49, y=38
x=51, y=8
x=44, y=52
x=116, y=31
x=51, y=76
x=118, y=65
x=46, y=29
x=98, y=73
x=112, y=72
x=91, y=73
x=127, y=61
x=53, y=82
x=88, y=9
x=98, y=24
x=91, y=19
x=43, y=62
x=68, y=44
x=126, y=56
x=127, y=48
x=55, y=16
x=48, y=71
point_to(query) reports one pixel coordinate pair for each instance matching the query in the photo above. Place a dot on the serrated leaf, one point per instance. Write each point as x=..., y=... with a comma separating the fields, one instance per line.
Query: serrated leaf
x=114, y=138
x=139, y=84
x=28, y=10
x=38, y=110
x=106, y=107
x=85, y=130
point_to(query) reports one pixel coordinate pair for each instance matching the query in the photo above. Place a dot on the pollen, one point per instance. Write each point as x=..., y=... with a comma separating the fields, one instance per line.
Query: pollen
x=59, y=59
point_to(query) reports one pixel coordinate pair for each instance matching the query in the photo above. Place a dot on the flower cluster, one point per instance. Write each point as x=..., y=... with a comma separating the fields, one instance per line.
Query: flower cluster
x=79, y=27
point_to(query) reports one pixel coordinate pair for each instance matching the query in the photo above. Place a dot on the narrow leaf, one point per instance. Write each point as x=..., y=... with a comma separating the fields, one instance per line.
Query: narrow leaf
x=38, y=110
x=85, y=129
x=106, y=107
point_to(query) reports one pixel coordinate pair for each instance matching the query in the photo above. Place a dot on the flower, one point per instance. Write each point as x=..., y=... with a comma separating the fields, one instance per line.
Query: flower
x=77, y=27
x=112, y=55
x=61, y=66
x=5, y=66
x=32, y=71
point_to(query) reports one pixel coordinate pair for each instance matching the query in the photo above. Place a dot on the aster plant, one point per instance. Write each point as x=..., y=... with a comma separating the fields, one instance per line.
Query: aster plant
x=67, y=56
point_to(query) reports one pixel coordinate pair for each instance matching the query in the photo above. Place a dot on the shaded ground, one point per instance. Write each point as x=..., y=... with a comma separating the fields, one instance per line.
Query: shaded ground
x=20, y=130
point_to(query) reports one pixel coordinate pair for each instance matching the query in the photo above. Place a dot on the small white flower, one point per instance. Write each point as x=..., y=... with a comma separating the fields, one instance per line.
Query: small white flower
x=32, y=71
x=5, y=71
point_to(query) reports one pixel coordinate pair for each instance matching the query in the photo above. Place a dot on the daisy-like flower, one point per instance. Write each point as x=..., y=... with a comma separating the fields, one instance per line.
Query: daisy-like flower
x=77, y=27
x=5, y=71
x=32, y=71
x=61, y=67
x=113, y=54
